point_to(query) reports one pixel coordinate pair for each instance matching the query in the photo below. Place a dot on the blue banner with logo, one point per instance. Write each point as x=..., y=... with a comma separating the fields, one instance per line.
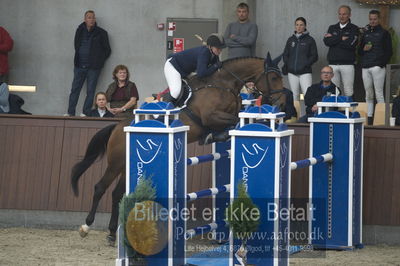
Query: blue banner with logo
x=255, y=167
x=332, y=186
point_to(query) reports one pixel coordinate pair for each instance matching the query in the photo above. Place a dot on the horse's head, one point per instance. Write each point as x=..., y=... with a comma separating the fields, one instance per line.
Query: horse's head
x=271, y=85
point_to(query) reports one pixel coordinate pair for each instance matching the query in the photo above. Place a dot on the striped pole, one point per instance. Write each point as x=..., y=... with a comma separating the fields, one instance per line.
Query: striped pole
x=208, y=192
x=311, y=161
x=204, y=229
x=207, y=158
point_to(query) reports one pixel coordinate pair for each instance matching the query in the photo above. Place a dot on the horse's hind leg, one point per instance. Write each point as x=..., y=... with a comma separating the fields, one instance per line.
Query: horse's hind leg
x=99, y=189
x=116, y=198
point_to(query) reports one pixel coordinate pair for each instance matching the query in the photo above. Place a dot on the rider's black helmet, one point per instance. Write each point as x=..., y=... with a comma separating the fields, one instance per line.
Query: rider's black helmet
x=216, y=40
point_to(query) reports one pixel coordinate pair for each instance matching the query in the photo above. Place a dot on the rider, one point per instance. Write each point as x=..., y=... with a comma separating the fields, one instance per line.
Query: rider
x=203, y=60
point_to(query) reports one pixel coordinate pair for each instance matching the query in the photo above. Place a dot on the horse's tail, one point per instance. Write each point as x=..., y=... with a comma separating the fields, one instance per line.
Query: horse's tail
x=96, y=148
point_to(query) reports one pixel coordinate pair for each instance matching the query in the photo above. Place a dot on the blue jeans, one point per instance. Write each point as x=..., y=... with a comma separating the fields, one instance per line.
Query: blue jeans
x=80, y=75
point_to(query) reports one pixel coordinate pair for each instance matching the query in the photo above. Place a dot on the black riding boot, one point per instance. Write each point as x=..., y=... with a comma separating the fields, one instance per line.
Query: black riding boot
x=169, y=99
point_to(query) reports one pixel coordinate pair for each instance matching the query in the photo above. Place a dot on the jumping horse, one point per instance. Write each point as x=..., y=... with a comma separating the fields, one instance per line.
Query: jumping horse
x=214, y=107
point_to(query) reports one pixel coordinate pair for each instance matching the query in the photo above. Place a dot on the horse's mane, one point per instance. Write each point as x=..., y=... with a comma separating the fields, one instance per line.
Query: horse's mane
x=241, y=58
x=227, y=61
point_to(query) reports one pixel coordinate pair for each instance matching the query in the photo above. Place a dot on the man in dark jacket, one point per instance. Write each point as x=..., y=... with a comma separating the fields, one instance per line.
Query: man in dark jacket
x=341, y=39
x=317, y=91
x=91, y=51
x=375, y=50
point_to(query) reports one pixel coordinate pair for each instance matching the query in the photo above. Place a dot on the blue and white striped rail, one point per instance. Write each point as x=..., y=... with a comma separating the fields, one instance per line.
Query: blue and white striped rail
x=204, y=229
x=208, y=157
x=311, y=161
x=208, y=192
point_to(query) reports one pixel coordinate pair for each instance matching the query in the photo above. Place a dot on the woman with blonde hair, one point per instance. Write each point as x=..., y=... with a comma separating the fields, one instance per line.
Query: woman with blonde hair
x=100, y=106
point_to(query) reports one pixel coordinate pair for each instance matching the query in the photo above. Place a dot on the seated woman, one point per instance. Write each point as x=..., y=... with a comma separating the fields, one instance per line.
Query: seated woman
x=122, y=93
x=100, y=106
x=396, y=108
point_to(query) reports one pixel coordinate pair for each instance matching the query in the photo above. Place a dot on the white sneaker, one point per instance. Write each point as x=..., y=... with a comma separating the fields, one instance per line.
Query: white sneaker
x=67, y=114
x=82, y=115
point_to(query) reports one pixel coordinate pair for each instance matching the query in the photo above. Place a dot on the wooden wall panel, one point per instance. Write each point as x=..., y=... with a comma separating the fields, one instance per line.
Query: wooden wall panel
x=77, y=135
x=25, y=176
x=199, y=176
x=38, y=152
x=381, y=179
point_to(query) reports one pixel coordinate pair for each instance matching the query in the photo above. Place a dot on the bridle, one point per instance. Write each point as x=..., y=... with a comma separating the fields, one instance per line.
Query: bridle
x=255, y=90
x=270, y=90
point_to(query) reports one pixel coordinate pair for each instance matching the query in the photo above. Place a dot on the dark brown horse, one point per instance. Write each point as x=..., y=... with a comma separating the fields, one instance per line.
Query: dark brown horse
x=214, y=106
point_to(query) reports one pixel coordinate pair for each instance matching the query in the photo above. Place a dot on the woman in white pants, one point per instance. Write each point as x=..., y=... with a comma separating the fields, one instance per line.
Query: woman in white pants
x=299, y=55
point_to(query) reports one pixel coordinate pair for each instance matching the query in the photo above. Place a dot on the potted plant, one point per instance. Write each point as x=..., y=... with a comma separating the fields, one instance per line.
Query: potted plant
x=243, y=217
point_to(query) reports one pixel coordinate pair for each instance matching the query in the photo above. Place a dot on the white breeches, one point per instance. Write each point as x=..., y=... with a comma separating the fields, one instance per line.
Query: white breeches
x=296, y=82
x=344, y=78
x=174, y=79
x=373, y=79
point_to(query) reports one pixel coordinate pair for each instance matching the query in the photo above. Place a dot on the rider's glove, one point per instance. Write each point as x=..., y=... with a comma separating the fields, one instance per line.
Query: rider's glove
x=218, y=64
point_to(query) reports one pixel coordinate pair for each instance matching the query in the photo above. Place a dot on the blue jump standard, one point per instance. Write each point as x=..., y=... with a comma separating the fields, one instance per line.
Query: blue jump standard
x=261, y=159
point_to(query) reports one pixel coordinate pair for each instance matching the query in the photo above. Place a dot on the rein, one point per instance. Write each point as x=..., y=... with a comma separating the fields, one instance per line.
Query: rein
x=270, y=91
x=243, y=82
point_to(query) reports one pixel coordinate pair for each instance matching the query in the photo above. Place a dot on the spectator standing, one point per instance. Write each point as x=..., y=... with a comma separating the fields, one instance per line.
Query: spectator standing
x=317, y=91
x=375, y=50
x=92, y=48
x=341, y=39
x=6, y=45
x=241, y=36
x=100, y=106
x=122, y=93
x=299, y=55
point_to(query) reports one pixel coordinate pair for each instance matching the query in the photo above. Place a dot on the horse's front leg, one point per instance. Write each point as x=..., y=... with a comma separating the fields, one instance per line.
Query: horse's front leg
x=220, y=120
